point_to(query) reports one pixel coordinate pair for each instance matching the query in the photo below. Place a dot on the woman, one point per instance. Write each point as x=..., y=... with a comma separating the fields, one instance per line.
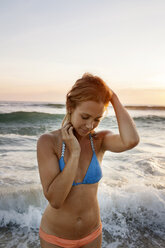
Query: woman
x=69, y=164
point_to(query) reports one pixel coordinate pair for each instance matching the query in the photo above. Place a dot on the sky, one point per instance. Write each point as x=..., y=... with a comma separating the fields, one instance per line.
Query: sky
x=46, y=45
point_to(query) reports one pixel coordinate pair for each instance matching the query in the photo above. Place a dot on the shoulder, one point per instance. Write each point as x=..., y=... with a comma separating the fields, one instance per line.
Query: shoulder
x=98, y=138
x=101, y=134
x=50, y=139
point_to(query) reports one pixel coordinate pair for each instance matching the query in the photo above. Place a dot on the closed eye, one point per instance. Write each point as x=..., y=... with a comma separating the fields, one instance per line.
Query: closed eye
x=85, y=118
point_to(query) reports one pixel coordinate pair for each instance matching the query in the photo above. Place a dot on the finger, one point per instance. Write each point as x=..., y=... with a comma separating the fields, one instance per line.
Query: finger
x=67, y=130
x=67, y=124
x=67, y=133
x=70, y=130
x=64, y=130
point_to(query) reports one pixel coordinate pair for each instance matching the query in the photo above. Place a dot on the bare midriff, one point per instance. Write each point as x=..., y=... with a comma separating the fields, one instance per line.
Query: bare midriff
x=77, y=217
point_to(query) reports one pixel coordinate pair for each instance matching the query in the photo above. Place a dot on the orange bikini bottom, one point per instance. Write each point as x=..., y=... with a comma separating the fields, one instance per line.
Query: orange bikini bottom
x=68, y=243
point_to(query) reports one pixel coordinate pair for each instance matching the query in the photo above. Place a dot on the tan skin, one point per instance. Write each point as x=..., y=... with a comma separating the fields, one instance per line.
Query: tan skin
x=73, y=211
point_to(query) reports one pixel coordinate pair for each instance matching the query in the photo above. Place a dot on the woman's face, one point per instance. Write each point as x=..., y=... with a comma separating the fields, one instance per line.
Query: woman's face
x=86, y=116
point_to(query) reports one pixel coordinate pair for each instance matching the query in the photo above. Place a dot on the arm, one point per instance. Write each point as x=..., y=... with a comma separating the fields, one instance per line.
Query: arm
x=56, y=184
x=128, y=137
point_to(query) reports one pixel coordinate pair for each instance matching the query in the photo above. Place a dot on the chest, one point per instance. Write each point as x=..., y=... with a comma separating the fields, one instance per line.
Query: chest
x=88, y=170
x=89, y=163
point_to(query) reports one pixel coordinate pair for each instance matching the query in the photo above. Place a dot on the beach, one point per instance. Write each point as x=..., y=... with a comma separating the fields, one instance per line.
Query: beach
x=131, y=193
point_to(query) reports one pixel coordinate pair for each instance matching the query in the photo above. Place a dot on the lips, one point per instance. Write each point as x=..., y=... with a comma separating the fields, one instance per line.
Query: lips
x=85, y=131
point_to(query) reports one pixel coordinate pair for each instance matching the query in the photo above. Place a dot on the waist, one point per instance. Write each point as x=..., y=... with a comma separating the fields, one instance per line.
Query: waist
x=70, y=242
x=70, y=225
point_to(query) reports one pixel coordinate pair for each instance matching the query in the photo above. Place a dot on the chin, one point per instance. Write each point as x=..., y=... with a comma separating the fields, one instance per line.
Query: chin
x=79, y=131
x=84, y=133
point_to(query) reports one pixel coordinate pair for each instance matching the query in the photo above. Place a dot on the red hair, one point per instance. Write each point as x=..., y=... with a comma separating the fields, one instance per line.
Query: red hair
x=87, y=88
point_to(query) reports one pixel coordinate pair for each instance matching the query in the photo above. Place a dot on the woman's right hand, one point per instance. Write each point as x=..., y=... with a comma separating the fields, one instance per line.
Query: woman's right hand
x=70, y=139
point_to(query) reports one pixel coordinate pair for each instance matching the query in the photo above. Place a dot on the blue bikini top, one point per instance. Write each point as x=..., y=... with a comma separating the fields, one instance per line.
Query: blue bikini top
x=94, y=172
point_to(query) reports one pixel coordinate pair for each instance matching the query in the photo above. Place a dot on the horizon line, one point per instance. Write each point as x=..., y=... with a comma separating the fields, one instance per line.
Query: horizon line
x=129, y=106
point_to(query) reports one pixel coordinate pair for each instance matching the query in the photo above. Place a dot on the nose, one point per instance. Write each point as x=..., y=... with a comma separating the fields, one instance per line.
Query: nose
x=89, y=125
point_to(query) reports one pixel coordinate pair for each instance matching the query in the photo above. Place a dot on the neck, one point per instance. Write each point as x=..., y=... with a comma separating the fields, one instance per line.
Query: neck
x=79, y=137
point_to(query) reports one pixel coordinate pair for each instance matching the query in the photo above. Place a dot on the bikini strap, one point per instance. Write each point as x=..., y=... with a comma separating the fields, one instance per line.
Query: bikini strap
x=63, y=149
x=91, y=139
x=63, y=146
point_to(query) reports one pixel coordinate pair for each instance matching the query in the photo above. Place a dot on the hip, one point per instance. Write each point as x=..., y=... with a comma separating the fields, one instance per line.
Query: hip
x=95, y=237
x=70, y=224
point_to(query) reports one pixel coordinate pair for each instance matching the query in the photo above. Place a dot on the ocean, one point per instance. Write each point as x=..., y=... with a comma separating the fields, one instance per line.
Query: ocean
x=131, y=193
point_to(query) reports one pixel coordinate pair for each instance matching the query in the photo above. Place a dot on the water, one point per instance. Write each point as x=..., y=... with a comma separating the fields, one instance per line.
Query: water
x=131, y=193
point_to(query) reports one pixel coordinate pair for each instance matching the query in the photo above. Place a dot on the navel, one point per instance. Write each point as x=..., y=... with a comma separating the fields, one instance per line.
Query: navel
x=79, y=219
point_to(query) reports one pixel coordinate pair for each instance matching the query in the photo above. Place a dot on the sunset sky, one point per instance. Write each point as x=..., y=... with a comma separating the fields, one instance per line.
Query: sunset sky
x=46, y=45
